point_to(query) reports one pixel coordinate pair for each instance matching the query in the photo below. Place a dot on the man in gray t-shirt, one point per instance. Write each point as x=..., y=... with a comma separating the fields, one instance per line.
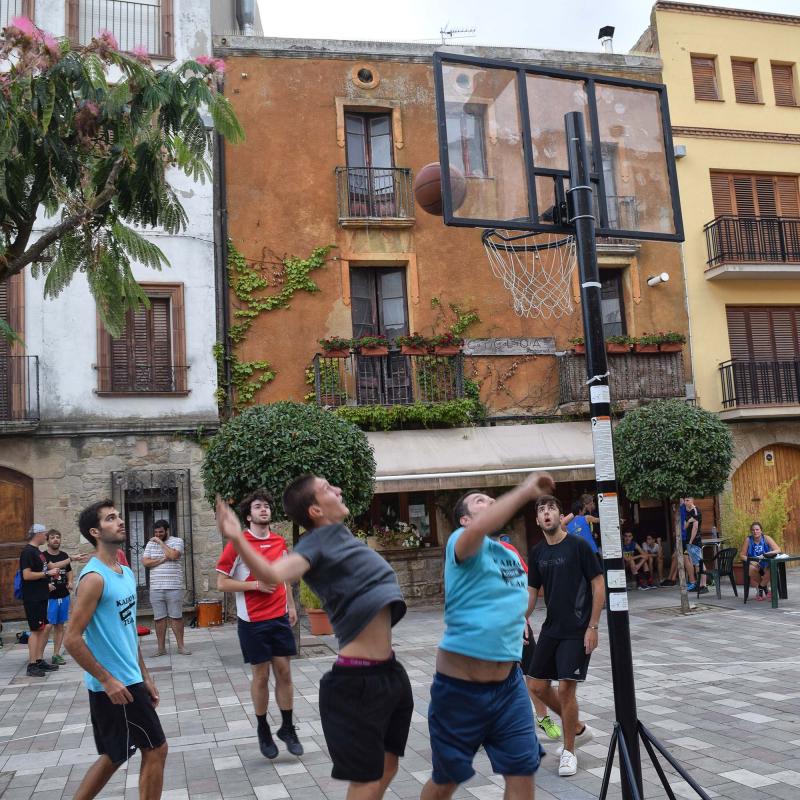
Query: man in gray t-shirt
x=365, y=701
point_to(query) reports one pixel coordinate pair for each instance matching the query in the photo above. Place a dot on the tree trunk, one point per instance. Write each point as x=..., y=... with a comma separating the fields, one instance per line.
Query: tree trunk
x=676, y=523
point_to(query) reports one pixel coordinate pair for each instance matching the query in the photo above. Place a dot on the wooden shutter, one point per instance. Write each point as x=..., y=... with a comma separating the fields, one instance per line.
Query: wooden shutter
x=788, y=198
x=722, y=194
x=766, y=333
x=765, y=195
x=744, y=81
x=704, y=77
x=738, y=334
x=783, y=84
x=5, y=314
x=161, y=345
x=744, y=196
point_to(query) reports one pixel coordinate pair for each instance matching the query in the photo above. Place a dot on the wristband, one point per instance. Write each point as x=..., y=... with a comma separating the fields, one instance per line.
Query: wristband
x=594, y=627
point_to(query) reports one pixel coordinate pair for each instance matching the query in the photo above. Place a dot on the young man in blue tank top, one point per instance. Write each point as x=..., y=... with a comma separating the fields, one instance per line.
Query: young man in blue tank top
x=479, y=696
x=102, y=638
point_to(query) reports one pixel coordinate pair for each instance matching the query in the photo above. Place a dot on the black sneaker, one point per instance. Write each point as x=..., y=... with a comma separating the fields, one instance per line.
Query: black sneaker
x=703, y=590
x=42, y=664
x=267, y=744
x=288, y=736
x=35, y=671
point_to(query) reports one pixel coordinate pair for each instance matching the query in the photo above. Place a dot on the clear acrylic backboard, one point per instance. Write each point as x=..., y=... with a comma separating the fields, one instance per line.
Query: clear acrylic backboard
x=501, y=125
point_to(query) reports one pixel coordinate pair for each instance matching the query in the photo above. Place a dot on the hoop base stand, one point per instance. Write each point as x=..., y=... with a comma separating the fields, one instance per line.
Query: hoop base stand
x=651, y=744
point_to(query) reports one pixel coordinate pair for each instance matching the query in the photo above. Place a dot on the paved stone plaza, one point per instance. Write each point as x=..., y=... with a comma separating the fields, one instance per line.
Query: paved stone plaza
x=719, y=688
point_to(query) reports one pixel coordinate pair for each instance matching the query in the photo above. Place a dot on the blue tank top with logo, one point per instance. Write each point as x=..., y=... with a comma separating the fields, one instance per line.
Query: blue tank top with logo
x=756, y=549
x=111, y=633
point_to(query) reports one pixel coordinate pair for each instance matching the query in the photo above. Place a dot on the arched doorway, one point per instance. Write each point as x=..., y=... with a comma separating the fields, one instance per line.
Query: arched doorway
x=761, y=473
x=16, y=516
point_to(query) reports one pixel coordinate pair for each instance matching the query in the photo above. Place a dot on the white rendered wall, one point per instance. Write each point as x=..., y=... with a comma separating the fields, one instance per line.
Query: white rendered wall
x=62, y=331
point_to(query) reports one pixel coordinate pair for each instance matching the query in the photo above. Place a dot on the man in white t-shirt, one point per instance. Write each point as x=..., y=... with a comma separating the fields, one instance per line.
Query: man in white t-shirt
x=162, y=556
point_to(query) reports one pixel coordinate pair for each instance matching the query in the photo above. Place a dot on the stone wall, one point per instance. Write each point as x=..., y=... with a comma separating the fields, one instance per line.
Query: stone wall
x=419, y=573
x=70, y=472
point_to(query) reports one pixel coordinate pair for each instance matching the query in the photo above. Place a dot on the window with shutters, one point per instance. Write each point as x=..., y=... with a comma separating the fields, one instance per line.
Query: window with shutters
x=755, y=195
x=783, y=84
x=704, y=77
x=149, y=356
x=745, y=83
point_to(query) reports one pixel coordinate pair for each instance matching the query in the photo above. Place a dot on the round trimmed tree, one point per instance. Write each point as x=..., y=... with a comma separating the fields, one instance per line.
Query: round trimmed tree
x=271, y=445
x=669, y=449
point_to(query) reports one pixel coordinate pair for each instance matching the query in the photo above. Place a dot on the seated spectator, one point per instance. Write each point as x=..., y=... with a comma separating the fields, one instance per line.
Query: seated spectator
x=580, y=521
x=654, y=552
x=755, y=545
x=636, y=562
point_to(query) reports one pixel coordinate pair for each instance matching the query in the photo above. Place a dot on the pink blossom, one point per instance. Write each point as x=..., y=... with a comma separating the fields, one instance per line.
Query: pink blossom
x=140, y=53
x=108, y=38
x=213, y=64
x=24, y=25
x=51, y=44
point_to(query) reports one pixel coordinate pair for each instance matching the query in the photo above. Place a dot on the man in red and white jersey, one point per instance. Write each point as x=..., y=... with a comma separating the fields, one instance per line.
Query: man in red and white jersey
x=266, y=615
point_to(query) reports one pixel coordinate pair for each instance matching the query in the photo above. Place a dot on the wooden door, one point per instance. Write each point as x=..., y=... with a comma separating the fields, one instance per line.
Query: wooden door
x=758, y=475
x=16, y=516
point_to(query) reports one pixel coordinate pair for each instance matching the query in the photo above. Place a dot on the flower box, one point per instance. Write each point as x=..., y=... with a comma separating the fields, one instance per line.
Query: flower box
x=446, y=350
x=318, y=622
x=670, y=347
x=579, y=349
x=412, y=350
x=336, y=353
x=645, y=348
x=373, y=351
x=611, y=347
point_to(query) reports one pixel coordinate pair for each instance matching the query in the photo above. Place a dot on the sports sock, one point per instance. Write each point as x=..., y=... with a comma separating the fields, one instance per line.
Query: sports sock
x=262, y=723
x=286, y=718
x=581, y=731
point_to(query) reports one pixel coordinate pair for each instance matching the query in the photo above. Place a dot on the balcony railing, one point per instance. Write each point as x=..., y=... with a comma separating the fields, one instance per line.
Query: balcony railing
x=387, y=380
x=147, y=23
x=760, y=383
x=374, y=193
x=19, y=389
x=753, y=240
x=646, y=376
x=14, y=8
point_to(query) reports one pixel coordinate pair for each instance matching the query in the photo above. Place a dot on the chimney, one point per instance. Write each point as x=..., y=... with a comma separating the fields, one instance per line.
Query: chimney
x=245, y=16
x=606, y=37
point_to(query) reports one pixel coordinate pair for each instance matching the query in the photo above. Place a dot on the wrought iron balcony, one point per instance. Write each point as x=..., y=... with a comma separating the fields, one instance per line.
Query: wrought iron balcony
x=760, y=383
x=387, y=380
x=373, y=194
x=633, y=376
x=19, y=390
x=752, y=246
x=148, y=23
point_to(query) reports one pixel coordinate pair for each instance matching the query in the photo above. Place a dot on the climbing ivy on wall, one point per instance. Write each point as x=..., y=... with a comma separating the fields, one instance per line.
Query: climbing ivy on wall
x=249, y=283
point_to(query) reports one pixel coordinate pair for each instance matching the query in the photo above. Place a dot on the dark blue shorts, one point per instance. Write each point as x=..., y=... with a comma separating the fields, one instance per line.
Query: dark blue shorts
x=463, y=715
x=260, y=641
x=58, y=610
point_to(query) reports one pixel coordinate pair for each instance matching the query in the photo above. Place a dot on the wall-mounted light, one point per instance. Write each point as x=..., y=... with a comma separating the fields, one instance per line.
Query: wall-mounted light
x=654, y=280
x=679, y=150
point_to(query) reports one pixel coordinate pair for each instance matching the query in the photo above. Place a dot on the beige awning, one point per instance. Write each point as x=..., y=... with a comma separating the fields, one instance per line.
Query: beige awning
x=456, y=458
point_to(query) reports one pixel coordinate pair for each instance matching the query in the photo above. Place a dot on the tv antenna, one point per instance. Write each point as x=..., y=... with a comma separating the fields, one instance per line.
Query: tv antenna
x=448, y=34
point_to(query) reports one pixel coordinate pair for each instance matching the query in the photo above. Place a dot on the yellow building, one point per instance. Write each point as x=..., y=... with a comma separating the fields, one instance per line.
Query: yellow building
x=732, y=78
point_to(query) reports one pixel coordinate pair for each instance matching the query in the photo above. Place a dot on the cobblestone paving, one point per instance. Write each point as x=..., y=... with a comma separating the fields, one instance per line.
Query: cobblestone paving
x=720, y=689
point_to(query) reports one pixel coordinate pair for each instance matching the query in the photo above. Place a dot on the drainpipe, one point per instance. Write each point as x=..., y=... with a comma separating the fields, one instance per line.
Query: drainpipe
x=245, y=16
x=221, y=269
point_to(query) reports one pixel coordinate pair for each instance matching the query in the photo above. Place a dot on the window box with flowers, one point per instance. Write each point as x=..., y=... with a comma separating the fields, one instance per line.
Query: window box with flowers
x=618, y=344
x=578, y=345
x=335, y=347
x=415, y=344
x=647, y=343
x=672, y=342
x=372, y=346
x=447, y=344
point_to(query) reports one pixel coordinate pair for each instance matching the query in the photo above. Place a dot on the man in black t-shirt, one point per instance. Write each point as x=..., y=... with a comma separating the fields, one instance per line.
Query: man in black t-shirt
x=35, y=594
x=574, y=592
x=60, y=587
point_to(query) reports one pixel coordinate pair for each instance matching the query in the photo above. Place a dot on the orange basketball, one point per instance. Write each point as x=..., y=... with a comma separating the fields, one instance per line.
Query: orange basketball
x=428, y=188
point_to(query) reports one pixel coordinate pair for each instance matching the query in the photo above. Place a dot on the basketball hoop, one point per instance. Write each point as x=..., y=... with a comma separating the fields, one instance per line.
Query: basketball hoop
x=535, y=268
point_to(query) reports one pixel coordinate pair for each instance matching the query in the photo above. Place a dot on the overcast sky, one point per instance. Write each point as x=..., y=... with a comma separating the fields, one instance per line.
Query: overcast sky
x=556, y=24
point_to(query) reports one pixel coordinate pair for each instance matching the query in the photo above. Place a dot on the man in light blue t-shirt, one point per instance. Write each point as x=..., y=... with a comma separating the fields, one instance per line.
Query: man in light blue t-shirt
x=478, y=696
x=102, y=638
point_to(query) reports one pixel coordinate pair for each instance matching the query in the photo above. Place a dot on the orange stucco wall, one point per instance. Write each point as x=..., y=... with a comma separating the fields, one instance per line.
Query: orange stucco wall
x=282, y=201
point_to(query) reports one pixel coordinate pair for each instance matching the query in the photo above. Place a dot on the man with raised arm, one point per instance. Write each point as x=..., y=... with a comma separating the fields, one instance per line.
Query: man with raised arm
x=574, y=592
x=479, y=697
x=101, y=637
x=365, y=701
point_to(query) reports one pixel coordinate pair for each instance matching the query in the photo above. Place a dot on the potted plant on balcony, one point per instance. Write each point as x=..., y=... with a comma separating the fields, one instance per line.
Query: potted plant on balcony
x=578, y=345
x=647, y=343
x=318, y=620
x=372, y=345
x=335, y=347
x=671, y=342
x=447, y=344
x=618, y=344
x=415, y=344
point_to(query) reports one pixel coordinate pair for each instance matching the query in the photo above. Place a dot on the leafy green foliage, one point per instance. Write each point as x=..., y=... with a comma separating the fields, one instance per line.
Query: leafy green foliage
x=448, y=414
x=271, y=445
x=669, y=449
x=96, y=157
x=773, y=514
x=307, y=597
x=734, y=522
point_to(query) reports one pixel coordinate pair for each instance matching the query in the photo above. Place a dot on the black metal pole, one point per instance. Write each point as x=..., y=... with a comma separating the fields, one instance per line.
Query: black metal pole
x=581, y=207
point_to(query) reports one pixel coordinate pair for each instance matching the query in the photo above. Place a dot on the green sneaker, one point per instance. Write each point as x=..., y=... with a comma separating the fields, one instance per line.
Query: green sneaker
x=549, y=727
x=59, y=660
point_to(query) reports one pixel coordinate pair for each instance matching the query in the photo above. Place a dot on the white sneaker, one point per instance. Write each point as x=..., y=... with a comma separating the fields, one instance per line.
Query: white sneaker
x=581, y=739
x=568, y=764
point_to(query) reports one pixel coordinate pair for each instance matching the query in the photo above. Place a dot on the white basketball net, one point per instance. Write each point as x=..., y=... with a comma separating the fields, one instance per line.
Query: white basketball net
x=539, y=277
